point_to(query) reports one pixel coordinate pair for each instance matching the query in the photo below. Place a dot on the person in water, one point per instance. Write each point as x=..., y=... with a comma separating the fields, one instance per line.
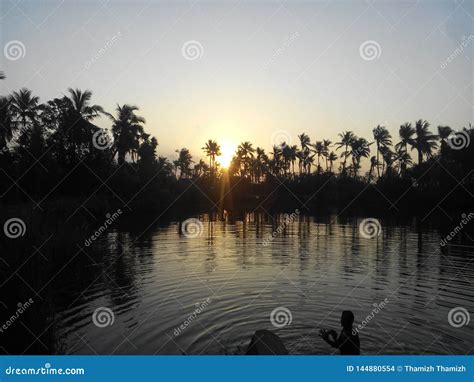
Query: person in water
x=348, y=341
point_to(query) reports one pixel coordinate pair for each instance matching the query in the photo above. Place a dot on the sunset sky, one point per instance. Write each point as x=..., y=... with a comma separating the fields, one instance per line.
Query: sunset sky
x=264, y=67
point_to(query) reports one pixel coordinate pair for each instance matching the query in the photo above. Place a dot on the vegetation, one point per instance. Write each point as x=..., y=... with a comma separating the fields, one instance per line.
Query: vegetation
x=54, y=149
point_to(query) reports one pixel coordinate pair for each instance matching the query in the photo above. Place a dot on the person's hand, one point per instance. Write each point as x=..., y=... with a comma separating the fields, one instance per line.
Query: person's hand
x=323, y=333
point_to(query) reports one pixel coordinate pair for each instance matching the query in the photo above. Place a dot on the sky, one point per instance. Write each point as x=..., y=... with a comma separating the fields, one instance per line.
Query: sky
x=260, y=71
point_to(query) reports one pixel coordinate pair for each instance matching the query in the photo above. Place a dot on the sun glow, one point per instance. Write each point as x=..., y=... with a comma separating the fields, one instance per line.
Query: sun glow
x=227, y=152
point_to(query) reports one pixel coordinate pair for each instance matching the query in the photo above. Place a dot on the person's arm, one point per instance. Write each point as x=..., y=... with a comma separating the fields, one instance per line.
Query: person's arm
x=325, y=336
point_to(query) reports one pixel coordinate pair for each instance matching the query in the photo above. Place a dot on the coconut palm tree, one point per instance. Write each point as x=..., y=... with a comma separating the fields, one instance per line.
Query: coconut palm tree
x=7, y=122
x=403, y=158
x=332, y=157
x=373, y=164
x=293, y=157
x=319, y=150
x=388, y=157
x=383, y=139
x=147, y=151
x=424, y=142
x=127, y=129
x=347, y=137
x=262, y=159
x=327, y=144
x=245, y=152
x=212, y=149
x=80, y=102
x=359, y=149
x=183, y=163
x=275, y=163
x=24, y=107
x=304, y=141
x=287, y=155
x=308, y=160
x=200, y=168
x=405, y=133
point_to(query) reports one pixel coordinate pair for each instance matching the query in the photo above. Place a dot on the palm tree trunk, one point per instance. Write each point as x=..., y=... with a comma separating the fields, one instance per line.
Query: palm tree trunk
x=378, y=163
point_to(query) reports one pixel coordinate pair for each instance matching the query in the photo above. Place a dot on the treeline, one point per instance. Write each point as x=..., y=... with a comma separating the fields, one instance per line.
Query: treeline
x=54, y=149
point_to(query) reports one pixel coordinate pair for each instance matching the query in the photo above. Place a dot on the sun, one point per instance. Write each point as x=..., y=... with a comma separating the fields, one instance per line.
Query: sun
x=227, y=152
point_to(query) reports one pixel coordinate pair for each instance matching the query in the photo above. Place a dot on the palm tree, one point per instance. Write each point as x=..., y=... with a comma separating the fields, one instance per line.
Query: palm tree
x=327, y=144
x=287, y=155
x=293, y=157
x=388, y=157
x=80, y=104
x=425, y=141
x=212, y=149
x=332, y=157
x=304, y=141
x=383, y=139
x=319, y=150
x=359, y=149
x=347, y=137
x=276, y=161
x=403, y=158
x=405, y=133
x=245, y=152
x=444, y=132
x=183, y=163
x=373, y=164
x=200, y=168
x=261, y=161
x=308, y=160
x=24, y=107
x=7, y=123
x=127, y=129
x=147, y=151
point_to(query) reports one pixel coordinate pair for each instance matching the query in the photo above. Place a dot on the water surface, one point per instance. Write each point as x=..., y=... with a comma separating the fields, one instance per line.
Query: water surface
x=232, y=276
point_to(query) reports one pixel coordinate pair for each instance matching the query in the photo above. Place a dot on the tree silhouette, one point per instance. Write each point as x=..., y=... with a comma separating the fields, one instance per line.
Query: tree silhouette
x=425, y=141
x=127, y=130
x=383, y=139
x=347, y=138
x=212, y=149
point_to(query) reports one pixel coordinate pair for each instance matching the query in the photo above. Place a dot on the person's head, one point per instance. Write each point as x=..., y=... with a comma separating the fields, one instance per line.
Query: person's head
x=347, y=319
